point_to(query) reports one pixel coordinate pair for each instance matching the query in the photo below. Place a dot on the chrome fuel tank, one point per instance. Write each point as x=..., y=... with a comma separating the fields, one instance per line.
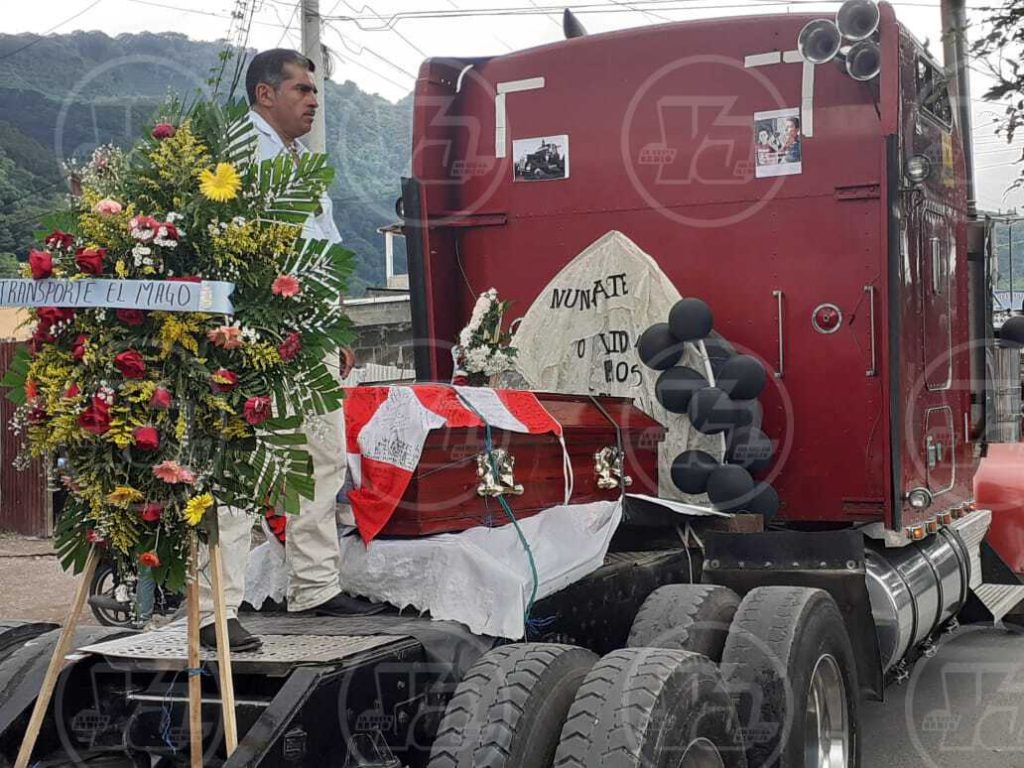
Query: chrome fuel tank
x=916, y=589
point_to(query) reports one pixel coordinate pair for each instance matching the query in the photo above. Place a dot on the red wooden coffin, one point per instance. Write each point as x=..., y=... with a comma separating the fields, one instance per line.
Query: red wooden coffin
x=448, y=494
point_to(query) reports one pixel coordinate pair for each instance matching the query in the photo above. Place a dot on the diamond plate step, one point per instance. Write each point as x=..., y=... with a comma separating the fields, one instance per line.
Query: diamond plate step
x=1000, y=599
x=168, y=647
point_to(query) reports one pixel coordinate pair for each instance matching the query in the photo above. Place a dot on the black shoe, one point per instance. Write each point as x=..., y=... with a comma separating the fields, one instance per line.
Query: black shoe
x=343, y=605
x=239, y=638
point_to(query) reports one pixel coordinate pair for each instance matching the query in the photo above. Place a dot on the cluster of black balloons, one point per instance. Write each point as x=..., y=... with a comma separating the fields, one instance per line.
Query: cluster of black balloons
x=730, y=407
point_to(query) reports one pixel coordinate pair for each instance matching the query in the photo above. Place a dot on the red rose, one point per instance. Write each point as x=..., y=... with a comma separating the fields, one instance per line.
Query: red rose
x=90, y=260
x=163, y=131
x=50, y=316
x=146, y=438
x=257, y=409
x=41, y=264
x=78, y=350
x=131, y=316
x=151, y=511
x=58, y=239
x=41, y=335
x=171, y=231
x=290, y=347
x=95, y=418
x=149, y=559
x=130, y=364
x=161, y=399
x=71, y=391
x=223, y=380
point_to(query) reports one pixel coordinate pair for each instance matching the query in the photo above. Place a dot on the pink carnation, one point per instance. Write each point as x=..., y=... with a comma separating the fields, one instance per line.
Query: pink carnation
x=226, y=337
x=286, y=285
x=107, y=207
x=172, y=472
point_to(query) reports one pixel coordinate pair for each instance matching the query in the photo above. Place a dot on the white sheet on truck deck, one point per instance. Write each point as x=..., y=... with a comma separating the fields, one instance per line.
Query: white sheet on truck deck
x=480, y=578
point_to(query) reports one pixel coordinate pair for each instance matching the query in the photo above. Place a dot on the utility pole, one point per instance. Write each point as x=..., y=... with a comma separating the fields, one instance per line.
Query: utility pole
x=1012, y=297
x=316, y=139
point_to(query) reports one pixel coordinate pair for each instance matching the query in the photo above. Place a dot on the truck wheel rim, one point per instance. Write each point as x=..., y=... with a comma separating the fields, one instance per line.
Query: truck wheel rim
x=701, y=753
x=827, y=722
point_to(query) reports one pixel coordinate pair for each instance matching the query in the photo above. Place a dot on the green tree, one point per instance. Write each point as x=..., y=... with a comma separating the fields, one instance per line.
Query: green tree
x=8, y=265
x=999, y=48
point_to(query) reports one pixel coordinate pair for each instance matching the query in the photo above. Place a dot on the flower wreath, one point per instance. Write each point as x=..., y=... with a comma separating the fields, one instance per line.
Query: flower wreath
x=151, y=419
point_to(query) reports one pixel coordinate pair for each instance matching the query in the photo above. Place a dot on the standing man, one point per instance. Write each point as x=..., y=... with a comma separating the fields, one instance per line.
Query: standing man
x=283, y=101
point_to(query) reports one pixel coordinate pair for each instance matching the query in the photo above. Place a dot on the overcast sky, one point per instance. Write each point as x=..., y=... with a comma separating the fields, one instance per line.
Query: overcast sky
x=379, y=44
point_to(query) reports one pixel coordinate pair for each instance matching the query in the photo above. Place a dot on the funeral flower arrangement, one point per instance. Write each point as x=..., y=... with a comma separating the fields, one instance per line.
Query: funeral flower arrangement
x=151, y=419
x=484, y=350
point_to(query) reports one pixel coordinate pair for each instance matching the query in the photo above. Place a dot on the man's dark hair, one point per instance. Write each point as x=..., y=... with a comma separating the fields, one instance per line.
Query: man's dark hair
x=268, y=67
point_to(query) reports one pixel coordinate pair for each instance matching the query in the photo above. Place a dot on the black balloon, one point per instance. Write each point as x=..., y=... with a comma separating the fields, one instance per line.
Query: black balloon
x=749, y=413
x=1012, y=332
x=730, y=487
x=718, y=351
x=690, y=319
x=711, y=411
x=675, y=387
x=750, y=448
x=764, y=502
x=742, y=377
x=691, y=469
x=658, y=348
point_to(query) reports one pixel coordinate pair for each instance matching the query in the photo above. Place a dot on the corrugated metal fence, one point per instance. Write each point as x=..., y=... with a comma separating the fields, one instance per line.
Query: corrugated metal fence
x=25, y=504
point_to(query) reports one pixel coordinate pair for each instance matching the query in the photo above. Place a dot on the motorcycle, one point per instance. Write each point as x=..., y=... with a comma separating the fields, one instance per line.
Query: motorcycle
x=112, y=599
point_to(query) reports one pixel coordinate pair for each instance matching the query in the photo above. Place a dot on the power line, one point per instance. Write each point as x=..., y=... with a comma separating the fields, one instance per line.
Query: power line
x=291, y=21
x=376, y=15
x=51, y=29
x=361, y=49
x=640, y=6
x=350, y=60
x=195, y=12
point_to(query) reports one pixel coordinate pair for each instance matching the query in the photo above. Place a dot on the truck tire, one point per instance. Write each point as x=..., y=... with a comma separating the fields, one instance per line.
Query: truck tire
x=789, y=665
x=14, y=634
x=509, y=708
x=686, y=617
x=652, y=708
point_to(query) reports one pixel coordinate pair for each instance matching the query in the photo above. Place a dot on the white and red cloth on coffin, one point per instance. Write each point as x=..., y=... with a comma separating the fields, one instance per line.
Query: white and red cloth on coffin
x=386, y=428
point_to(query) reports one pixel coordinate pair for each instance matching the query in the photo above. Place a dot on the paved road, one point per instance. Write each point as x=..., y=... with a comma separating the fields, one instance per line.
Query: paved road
x=963, y=708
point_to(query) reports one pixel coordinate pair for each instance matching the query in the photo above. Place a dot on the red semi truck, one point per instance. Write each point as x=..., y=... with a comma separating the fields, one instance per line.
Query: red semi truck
x=851, y=260
x=811, y=181
x=660, y=121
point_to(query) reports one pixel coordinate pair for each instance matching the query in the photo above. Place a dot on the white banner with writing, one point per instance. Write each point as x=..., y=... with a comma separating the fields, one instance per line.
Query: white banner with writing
x=164, y=295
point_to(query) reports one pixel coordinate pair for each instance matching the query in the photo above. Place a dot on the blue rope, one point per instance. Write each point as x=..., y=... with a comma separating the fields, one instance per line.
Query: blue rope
x=165, y=715
x=165, y=707
x=489, y=447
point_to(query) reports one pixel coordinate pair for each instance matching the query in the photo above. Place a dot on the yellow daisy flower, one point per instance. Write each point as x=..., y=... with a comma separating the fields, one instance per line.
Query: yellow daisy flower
x=123, y=495
x=196, y=507
x=221, y=184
